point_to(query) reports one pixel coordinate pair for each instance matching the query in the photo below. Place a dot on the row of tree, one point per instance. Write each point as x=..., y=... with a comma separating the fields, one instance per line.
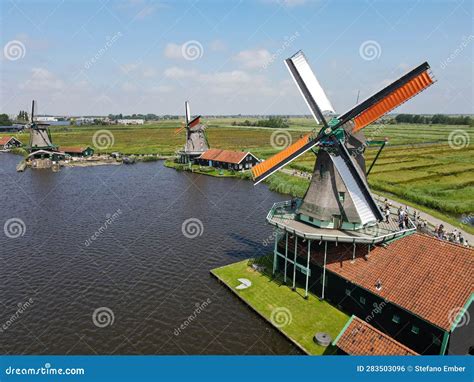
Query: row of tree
x=437, y=119
x=273, y=122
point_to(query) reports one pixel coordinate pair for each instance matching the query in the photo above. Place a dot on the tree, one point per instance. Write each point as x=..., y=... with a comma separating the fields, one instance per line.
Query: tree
x=4, y=120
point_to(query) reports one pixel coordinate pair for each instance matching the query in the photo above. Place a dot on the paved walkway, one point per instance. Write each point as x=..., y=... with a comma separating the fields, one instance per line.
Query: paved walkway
x=431, y=220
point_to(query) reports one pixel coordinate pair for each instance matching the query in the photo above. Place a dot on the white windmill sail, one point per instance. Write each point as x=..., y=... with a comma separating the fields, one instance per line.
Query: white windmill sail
x=309, y=86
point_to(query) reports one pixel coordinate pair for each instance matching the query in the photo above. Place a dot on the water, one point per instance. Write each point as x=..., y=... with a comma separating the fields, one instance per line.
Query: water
x=140, y=266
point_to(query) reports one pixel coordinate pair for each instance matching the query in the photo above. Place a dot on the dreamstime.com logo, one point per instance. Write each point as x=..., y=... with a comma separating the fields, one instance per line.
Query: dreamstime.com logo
x=14, y=50
x=458, y=139
x=370, y=50
x=103, y=317
x=14, y=228
x=110, y=219
x=192, y=50
x=22, y=308
x=459, y=317
x=280, y=139
x=192, y=228
x=103, y=139
x=110, y=41
x=281, y=317
x=199, y=309
x=44, y=370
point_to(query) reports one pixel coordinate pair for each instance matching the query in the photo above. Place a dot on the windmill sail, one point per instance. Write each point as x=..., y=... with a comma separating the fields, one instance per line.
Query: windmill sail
x=390, y=97
x=309, y=86
x=356, y=186
x=187, y=112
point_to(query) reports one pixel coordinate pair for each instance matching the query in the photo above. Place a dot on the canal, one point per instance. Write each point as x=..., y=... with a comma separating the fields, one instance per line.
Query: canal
x=96, y=260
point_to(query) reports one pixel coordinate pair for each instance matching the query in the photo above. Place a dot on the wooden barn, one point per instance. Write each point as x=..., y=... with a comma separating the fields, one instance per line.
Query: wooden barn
x=226, y=159
x=7, y=143
x=77, y=151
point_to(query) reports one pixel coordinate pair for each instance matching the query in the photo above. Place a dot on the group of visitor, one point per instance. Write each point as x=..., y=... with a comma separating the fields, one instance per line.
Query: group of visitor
x=455, y=236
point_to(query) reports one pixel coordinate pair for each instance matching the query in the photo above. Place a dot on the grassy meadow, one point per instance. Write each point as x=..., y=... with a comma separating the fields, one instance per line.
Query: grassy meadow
x=418, y=166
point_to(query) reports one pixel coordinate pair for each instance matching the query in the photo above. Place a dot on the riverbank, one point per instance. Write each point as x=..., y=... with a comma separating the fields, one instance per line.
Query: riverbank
x=297, y=318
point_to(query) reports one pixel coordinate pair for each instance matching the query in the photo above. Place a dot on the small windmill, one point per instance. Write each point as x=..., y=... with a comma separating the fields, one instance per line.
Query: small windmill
x=196, y=140
x=40, y=137
x=338, y=196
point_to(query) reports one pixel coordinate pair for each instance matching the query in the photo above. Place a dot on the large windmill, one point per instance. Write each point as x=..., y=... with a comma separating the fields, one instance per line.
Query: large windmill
x=338, y=196
x=40, y=137
x=196, y=140
x=338, y=212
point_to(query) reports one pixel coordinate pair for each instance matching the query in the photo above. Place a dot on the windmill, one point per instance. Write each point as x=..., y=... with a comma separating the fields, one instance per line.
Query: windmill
x=40, y=137
x=338, y=196
x=196, y=140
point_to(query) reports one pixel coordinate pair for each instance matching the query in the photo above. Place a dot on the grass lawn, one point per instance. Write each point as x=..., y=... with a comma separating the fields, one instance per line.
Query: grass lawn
x=298, y=318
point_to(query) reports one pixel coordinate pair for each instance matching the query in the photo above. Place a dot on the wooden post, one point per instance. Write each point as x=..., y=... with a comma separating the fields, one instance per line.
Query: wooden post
x=275, y=258
x=307, y=269
x=324, y=267
x=286, y=257
x=294, y=262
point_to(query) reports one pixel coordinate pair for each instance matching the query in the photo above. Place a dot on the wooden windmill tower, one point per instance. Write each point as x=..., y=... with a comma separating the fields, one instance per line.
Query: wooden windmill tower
x=40, y=137
x=196, y=140
x=338, y=209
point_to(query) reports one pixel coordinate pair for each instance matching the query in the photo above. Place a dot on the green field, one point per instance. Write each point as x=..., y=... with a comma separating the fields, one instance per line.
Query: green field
x=418, y=166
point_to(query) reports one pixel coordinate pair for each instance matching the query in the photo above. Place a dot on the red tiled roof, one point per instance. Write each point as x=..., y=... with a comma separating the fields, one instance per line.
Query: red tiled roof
x=422, y=274
x=361, y=338
x=5, y=140
x=223, y=156
x=70, y=149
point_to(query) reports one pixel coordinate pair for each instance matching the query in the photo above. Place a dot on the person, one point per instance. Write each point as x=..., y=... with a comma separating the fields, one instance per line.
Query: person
x=387, y=214
x=400, y=222
x=406, y=221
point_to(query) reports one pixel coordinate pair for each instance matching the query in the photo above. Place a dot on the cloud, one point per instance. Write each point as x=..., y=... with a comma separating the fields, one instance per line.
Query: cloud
x=176, y=73
x=252, y=59
x=173, y=51
x=288, y=3
x=217, y=46
x=42, y=79
x=138, y=70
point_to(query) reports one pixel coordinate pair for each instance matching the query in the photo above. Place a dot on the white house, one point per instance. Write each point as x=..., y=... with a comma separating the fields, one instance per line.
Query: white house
x=130, y=121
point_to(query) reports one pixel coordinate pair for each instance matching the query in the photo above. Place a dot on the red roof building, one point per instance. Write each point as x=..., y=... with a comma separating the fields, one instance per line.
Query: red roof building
x=236, y=160
x=360, y=338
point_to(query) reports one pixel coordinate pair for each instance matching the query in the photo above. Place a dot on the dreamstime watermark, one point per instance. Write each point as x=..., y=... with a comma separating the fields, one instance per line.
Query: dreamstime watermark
x=199, y=309
x=22, y=307
x=370, y=50
x=110, y=219
x=276, y=233
x=103, y=139
x=103, y=317
x=192, y=228
x=14, y=228
x=288, y=41
x=459, y=317
x=46, y=370
x=110, y=41
x=378, y=307
x=14, y=50
x=281, y=317
x=458, y=139
x=280, y=139
x=192, y=50
x=467, y=219
x=459, y=49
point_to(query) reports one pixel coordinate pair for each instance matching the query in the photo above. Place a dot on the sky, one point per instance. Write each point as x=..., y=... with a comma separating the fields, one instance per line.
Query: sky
x=226, y=57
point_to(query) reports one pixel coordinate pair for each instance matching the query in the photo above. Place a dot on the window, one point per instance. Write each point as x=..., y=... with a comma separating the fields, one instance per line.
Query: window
x=436, y=340
x=362, y=300
x=348, y=292
x=396, y=319
x=311, y=219
x=341, y=196
x=415, y=329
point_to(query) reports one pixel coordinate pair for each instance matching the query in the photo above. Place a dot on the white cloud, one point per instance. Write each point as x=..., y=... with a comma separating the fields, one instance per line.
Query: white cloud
x=176, y=73
x=42, y=79
x=253, y=59
x=173, y=51
x=217, y=46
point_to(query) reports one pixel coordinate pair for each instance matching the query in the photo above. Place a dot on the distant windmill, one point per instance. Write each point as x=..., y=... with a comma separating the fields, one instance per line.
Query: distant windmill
x=40, y=137
x=338, y=196
x=196, y=140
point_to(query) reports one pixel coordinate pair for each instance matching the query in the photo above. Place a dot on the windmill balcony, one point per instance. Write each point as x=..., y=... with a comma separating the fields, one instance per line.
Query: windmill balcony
x=284, y=216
